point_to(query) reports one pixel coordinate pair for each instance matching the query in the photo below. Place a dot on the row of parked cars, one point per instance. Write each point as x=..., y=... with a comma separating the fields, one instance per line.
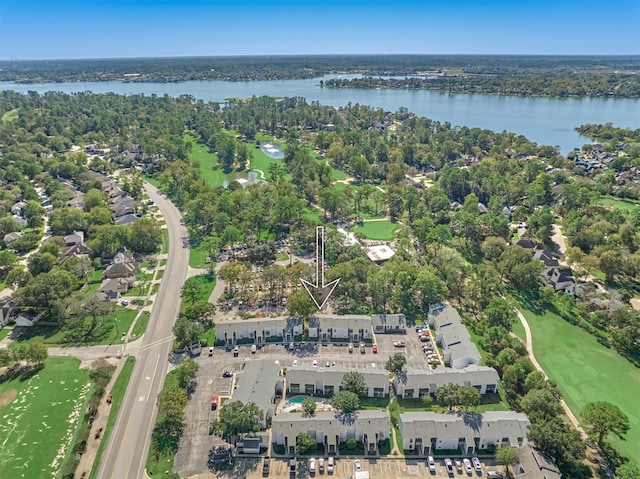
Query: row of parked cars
x=428, y=347
x=465, y=465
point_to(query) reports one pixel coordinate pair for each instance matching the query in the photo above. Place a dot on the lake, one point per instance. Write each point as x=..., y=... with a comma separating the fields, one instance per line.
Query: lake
x=549, y=121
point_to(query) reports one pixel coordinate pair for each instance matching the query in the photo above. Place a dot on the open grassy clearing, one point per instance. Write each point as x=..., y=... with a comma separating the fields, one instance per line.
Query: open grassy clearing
x=260, y=160
x=117, y=395
x=206, y=161
x=376, y=230
x=586, y=371
x=10, y=116
x=198, y=256
x=140, y=326
x=625, y=205
x=105, y=333
x=38, y=426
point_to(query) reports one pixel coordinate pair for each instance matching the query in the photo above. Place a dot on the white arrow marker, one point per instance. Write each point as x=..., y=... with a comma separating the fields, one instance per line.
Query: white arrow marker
x=322, y=290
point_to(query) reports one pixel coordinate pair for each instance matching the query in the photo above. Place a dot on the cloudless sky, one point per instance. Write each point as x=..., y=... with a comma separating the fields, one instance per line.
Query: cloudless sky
x=48, y=29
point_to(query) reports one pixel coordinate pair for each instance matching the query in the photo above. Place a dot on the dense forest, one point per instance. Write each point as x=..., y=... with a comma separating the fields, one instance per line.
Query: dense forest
x=509, y=74
x=456, y=196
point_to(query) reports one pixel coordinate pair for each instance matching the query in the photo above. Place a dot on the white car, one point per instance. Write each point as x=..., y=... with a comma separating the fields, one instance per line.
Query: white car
x=467, y=466
x=330, y=465
x=254, y=348
x=312, y=465
x=432, y=464
x=315, y=363
x=357, y=464
x=295, y=362
x=476, y=464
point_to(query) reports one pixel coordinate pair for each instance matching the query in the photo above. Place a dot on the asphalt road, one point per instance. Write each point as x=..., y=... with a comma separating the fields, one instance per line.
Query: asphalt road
x=126, y=453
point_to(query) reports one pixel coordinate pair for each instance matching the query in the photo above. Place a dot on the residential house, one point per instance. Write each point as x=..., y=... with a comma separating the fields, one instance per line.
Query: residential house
x=332, y=327
x=561, y=279
x=535, y=464
x=415, y=383
x=75, y=238
x=115, y=286
x=259, y=330
x=16, y=209
x=22, y=221
x=120, y=270
x=126, y=220
x=389, y=323
x=426, y=432
x=527, y=243
x=10, y=238
x=548, y=259
x=331, y=430
x=26, y=318
x=457, y=348
x=260, y=382
x=81, y=251
x=323, y=381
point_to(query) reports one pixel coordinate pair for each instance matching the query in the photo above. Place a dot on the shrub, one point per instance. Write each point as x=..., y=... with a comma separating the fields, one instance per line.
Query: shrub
x=351, y=444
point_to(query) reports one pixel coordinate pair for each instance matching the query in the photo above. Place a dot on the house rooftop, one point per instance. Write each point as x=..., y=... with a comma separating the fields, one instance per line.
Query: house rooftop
x=256, y=383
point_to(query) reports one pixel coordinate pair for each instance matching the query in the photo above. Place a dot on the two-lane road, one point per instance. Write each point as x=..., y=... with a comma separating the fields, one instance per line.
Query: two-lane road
x=126, y=453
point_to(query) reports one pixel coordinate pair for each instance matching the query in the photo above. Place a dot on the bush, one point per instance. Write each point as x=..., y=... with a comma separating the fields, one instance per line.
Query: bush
x=351, y=444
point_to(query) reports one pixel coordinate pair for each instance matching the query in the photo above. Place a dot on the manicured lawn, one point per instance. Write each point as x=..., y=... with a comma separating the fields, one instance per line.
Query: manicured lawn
x=338, y=174
x=197, y=257
x=260, y=160
x=117, y=393
x=518, y=330
x=41, y=421
x=586, y=371
x=4, y=332
x=376, y=230
x=140, y=326
x=206, y=160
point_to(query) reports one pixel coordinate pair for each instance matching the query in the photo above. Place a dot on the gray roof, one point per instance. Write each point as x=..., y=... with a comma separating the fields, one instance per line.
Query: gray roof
x=472, y=375
x=287, y=323
x=456, y=425
x=305, y=374
x=388, y=320
x=447, y=322
x=336, y=321
x=128, y=219
x=329, y=423
x=257, y=384
x=535, y=464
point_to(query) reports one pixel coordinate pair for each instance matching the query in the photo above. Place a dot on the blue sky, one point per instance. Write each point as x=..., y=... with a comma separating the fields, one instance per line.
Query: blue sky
x=36, y=29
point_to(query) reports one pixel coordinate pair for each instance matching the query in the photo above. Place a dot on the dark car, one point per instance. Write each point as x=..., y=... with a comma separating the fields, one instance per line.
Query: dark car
x=227, y=374
x=266, y=464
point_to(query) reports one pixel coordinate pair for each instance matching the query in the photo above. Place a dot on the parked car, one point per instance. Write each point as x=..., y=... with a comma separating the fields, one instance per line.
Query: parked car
x=210, y=351
x=432, y=464
x=292, y=346
x=330, y=465
x=227, y=374
x=398, y=344
x=374, y=348
x=357, y=464
x=292, y=467
x=312, y=465
x=214, y=402
x=321, y=465
x=265, y=466
x=449, y=465
x=476, y=464
x=124, y=302
x=315, y=363
x=350, y=347
x=295, y=362
x=495, y=475
x=362, y=348
x=254, y=348
x=458, y=464
x=236, y=350
x=467, y=466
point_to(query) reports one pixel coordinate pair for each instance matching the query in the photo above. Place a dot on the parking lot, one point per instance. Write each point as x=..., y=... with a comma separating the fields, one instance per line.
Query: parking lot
x=344, y=467
x=213, y=380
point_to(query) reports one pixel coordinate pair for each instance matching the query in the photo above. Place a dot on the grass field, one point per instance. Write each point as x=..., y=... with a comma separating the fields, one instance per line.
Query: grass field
x=586, y=371
x=140, y=326
x=10, y=116
x=376, y=230
x=260, y=160
x=206, y=160
x=197, y=257
x=625, y=205
x=117, y=393
x=40, y=423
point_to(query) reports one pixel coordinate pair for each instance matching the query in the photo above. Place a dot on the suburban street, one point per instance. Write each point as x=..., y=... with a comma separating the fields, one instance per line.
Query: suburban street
x=126, y=453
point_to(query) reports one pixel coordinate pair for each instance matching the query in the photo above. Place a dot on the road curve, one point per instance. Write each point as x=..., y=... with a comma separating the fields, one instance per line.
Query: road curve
x=126, y=453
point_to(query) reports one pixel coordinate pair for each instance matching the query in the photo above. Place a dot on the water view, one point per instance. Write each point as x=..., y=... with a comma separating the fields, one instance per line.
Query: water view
x=548, y=121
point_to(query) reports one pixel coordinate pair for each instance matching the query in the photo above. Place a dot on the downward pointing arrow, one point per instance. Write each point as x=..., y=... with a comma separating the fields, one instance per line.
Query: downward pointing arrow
x=319, y=291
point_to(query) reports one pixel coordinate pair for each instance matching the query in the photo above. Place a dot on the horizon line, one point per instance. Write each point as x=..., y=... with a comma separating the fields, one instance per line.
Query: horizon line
x=307, y=55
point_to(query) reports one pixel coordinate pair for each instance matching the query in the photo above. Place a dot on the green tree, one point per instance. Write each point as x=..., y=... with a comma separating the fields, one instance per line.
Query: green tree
x=96, y=308
x=187, y=331
x=7, y=261
x=540, y=404
x=171, y=402
x=628, y=470
x=396, y=363
x=300, y=304
x=41, y=263
x=447, y=395
x=146, y=236
x=309, y=406
x=305, y=444
x=345, y=402
x=238, y=418
x=191, y=291
x=33, y=212
x=603, y=418
x=468, y=397
x=187, y=371
x=354, y=381
x=507, y=456
x=499, y=313
x=200, y=311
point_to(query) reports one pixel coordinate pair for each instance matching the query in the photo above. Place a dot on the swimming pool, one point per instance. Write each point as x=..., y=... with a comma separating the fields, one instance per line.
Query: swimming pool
x=294, y=401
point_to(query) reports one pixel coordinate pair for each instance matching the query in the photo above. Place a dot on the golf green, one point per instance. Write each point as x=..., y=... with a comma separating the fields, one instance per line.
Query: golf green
x=585, y=371
x=376, y=230
x=39, y=424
